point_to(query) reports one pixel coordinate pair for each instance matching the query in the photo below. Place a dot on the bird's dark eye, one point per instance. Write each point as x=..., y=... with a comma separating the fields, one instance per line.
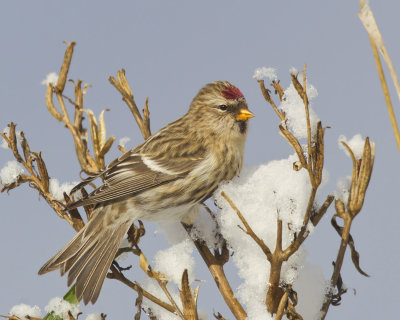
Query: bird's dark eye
x=223, y=107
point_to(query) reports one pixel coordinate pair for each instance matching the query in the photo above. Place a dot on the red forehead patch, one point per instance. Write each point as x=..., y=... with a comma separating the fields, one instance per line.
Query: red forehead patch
x=232, y=93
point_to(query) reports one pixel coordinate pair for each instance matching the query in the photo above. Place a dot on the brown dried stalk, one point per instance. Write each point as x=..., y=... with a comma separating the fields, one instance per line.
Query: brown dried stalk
x=89, y=164
x=376, y=42
x=215, y=263
x=38, y=177
x=189, y=301
x=123, y=87
x=118, y=275
x=248, y=229
x=17, y=318
x=160, y=278
x=361, y=175
x=138, y=304
x=313, y=163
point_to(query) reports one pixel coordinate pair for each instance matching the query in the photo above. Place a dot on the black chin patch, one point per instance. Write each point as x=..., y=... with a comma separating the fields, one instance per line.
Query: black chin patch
x=242, y=126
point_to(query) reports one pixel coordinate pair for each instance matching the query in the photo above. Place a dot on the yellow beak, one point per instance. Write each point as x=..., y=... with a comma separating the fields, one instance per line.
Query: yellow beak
x=244, y=114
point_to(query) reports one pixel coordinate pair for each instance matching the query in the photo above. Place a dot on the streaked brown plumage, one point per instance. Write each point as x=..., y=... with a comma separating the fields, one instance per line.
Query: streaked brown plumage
x=164, y=178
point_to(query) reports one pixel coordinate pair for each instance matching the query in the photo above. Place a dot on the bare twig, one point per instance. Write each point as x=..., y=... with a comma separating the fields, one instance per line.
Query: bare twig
x=362, y=170
x=249, y=230
x=159, y=277
x=138, y=304
x=37, y=178
x=313, y=163
x=215, y=265
x=322, y=210
x=267, y=96
x=116, y=274
x=123, y=87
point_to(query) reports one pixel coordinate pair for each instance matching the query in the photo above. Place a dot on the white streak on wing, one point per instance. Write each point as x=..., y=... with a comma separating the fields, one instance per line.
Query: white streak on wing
x=156, y=167
x=206, y=166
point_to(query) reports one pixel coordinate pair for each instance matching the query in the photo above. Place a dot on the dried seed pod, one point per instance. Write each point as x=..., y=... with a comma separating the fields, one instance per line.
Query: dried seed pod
x=44, y=176
x=189, y=302
x=13, y=142
x=26, y=150
x=62, y=78
x=102, y=129
x=107, y=146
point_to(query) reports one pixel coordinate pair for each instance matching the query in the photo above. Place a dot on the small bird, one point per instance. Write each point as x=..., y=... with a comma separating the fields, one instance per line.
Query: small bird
x=165, y=178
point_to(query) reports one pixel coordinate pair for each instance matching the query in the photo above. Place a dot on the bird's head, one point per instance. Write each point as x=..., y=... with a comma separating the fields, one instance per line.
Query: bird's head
x=221, y=107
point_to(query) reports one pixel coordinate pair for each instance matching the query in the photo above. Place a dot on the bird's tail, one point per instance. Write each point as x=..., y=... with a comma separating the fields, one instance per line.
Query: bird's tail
x=88, y=256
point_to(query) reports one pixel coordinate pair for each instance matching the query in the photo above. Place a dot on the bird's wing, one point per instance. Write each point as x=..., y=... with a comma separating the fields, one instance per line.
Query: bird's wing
x=135, y=172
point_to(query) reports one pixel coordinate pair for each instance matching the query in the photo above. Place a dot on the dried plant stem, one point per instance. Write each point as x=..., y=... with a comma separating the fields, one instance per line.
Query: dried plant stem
x=276, y=258
x=303, y=234
x=249, y=230
x=362, y=170
x=88, y=163
x=315, y=219
x=386, y=94
x=384, y=83
x=338, y=264
x=163, y=285
x=282, y=305
x=306, y=107
x=377, y=38
x=123, y=87
x=215, y=265
x=37, y=180
x=189, y=301
x=313, y=163
x=115, y=274
x=268, y=98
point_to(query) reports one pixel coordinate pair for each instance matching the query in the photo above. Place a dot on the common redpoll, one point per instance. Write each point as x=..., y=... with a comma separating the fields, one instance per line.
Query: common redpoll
x=165, y=178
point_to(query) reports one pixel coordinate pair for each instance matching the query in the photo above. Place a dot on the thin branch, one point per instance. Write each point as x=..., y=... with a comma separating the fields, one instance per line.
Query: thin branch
x=267, y=97
x=303, y=95
x=37, y=179
x=116, y=274
x=123, y=87
x=322, y=210
x=303, y=234
x=249, y=230
x=338, y=264
x=163, y=285
x=138, y=304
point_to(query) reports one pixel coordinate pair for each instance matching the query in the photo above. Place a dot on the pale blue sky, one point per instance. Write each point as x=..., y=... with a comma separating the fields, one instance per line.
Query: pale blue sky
x=170, y=49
